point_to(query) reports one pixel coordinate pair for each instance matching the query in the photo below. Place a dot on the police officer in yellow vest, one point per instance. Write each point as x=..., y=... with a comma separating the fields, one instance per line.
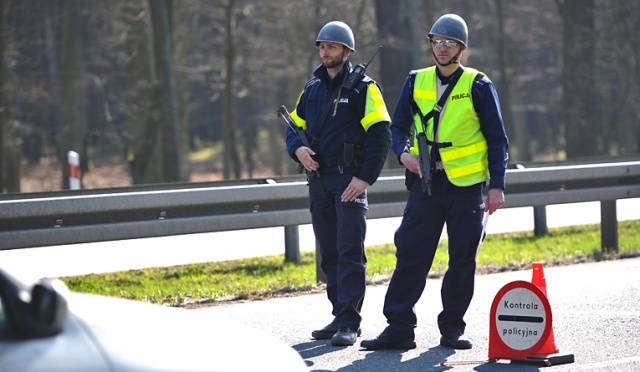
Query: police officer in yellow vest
x=467, y=147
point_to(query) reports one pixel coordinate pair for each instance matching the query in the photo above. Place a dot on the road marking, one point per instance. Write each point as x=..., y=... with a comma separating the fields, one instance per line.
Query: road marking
x=602, y=365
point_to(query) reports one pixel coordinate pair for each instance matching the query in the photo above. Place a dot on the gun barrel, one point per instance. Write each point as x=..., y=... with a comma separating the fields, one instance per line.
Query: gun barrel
x=287, y=117
x=425, y=165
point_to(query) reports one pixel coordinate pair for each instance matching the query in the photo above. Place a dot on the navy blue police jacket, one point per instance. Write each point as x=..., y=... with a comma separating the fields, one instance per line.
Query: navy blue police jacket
x=361, y=119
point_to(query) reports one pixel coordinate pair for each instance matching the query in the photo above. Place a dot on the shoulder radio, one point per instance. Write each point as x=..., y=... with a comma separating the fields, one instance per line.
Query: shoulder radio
x=358, y=73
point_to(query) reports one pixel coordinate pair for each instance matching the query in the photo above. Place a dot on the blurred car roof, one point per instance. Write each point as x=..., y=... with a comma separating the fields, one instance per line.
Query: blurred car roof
x=112, y=334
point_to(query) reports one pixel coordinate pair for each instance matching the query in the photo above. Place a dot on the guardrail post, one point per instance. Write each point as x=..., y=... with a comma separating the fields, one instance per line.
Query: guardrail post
x=540, y=220
x=608, y=226
x=292, y=244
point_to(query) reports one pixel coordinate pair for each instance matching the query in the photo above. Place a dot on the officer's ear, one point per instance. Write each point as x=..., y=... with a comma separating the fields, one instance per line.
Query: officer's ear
x=347, y=52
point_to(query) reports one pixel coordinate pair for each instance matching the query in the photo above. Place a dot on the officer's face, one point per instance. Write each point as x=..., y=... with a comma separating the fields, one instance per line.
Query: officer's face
x=331, y=54
x=444, y=49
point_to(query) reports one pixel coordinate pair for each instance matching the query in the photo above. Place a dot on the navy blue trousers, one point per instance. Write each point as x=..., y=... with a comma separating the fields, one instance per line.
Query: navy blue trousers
x=416, y=240
x=340, y=231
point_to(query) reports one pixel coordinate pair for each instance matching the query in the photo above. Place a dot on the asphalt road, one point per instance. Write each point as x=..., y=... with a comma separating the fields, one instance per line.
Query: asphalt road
x=595, y=311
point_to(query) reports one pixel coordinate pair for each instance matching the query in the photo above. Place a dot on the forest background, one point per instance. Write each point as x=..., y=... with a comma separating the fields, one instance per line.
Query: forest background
x=154, y=91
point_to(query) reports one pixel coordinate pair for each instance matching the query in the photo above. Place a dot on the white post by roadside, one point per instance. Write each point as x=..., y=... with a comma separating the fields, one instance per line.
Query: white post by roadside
x=74, y=170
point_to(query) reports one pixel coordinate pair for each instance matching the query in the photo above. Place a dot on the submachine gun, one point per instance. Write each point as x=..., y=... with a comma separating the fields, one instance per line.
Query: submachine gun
x=425, y=163
x=302, y=136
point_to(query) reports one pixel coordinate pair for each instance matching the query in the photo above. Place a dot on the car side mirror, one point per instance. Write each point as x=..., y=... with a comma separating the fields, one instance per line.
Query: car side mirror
x=48, y=309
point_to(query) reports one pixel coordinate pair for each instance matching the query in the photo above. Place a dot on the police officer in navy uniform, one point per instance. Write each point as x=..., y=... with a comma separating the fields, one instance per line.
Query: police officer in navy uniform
x=467, y=147
x=350, y=140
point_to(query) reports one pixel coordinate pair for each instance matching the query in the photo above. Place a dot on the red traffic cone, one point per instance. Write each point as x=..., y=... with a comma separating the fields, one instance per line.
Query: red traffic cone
x=538, y=277
x=539, y=281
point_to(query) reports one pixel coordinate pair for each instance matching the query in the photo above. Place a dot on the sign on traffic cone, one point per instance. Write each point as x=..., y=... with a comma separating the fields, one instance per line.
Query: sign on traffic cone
x=539, y=281
x=521, y=324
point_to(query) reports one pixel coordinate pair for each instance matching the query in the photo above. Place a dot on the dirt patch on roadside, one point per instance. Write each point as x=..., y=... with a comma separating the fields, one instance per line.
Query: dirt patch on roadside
x=47, y=175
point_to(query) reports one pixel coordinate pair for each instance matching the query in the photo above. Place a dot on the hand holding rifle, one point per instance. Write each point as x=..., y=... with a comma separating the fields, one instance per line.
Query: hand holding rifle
x=419, y=165
x=304, y=153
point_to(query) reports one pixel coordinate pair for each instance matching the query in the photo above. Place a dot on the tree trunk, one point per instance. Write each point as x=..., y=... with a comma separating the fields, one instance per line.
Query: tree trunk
x=183, y=48
x=281, y=162
x=247, y=103
x=513, y=111
x=165, y=94
x=578, y=87
x=398, y=31
x=144, y=159
x=72, y=111
x=231, y=159
x=4, y=107
x=626, y=14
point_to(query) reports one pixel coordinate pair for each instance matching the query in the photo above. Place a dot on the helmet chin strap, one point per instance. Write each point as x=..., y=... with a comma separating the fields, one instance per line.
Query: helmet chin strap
x=454, y=60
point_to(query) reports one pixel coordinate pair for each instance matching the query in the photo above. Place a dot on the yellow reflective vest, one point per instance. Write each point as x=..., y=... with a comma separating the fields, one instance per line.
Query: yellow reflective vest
x=466, y=160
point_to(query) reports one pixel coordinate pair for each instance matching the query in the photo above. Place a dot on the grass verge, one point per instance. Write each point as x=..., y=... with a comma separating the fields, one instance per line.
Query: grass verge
x=265, y=277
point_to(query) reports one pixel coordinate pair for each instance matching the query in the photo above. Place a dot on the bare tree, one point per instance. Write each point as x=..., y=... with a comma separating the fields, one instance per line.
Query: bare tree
x=632, y=32
x=231, y=158
x=165, y=93
x=152, y=79
x=4, y=107
x=247, y=98
x=621, y=132
x=518, y=124
x=274, y=128
x=142, y=142
x=398, y=30
x=185, y=68
x=72, y=109
x=579, y=99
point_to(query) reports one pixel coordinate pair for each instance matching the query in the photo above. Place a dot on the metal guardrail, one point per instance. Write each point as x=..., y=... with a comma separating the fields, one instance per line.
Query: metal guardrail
x=59, y=218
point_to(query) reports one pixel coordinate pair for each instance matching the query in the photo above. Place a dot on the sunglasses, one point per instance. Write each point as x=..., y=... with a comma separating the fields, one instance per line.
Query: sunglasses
x=437, y=43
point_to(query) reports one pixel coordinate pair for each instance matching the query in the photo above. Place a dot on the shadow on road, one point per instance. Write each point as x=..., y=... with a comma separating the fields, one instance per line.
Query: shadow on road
x=382, y=360
x=315, y=348
x=392, y=360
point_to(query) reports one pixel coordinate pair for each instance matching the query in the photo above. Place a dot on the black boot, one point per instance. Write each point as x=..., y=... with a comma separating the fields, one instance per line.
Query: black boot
x=389, y=339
